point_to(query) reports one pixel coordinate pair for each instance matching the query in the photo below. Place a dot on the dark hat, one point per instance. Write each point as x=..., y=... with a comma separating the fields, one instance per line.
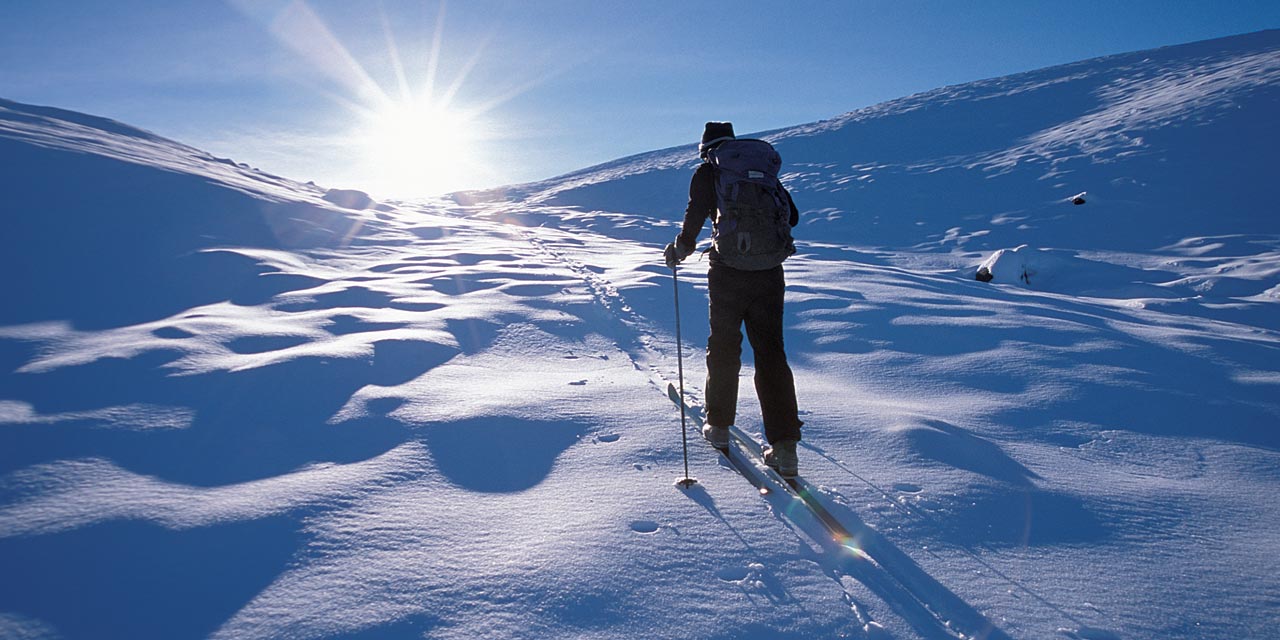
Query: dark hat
x=713, y=134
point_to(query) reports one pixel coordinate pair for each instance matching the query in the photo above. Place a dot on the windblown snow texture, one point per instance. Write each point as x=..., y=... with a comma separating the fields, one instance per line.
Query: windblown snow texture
x=236, y=406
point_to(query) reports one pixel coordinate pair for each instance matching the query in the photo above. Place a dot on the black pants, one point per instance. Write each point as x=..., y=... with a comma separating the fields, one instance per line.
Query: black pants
x=754, y=298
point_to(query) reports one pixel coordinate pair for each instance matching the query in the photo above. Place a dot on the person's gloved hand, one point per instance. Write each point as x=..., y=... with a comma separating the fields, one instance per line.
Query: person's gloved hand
x=674, y=253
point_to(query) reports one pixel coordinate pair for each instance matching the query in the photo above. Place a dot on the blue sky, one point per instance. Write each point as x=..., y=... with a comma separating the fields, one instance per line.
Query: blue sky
x=320, y=90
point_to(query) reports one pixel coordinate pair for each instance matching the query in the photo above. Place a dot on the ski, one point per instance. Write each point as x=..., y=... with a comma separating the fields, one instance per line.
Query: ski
x=743, y=467
x=746, y=456
x=752, y=453
x=797, y=486
x=750, y=465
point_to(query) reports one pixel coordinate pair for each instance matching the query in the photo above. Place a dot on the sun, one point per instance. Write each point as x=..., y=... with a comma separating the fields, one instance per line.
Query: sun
x=434, y=136
x=417, y=147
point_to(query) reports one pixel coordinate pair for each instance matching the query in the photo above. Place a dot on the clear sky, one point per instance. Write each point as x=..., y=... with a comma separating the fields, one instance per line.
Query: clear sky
x=408, y=98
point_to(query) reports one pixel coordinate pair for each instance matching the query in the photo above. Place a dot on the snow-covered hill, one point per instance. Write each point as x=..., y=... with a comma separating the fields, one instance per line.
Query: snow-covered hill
x=232, y=405
x=1169, y=147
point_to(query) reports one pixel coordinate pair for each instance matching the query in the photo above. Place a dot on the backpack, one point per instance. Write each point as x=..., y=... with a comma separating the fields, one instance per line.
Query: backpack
x=752, y=227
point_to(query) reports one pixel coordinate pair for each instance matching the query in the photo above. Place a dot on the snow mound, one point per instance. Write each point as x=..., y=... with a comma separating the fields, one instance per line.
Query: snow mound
x=349, y=198
x=140, y=235
x=1021, y=265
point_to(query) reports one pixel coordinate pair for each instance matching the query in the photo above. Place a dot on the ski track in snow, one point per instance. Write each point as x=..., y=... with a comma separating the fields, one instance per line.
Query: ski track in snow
x=236, y=406
x=927, y=605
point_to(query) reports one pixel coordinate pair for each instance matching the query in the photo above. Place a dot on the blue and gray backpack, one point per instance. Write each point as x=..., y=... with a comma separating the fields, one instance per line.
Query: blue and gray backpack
x=752, y=227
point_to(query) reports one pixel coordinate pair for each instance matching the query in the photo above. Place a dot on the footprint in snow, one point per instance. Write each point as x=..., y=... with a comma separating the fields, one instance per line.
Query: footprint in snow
x=644, y=526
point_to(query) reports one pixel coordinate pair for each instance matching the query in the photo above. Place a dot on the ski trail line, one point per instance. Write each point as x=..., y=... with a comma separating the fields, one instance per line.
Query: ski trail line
x=860, y=552
x=916, y=512
x=926, y=605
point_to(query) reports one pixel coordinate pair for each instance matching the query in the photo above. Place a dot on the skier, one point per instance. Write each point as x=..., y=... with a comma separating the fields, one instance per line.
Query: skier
x=745, y=284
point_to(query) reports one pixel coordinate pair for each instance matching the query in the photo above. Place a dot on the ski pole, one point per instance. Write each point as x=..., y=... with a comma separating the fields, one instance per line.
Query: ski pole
x=687, y=481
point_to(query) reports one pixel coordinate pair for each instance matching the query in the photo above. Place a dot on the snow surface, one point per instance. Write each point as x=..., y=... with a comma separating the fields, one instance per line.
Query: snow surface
x=236, y=406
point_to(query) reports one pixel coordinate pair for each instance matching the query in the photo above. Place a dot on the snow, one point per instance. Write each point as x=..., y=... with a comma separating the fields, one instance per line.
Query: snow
x=236, y=406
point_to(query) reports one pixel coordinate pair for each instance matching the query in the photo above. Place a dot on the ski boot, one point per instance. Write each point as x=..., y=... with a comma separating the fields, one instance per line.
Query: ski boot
x=782, y=457
x=717, y=436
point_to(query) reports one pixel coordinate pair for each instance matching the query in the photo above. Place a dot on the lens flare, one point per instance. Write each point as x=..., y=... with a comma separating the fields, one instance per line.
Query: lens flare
x=851, y=545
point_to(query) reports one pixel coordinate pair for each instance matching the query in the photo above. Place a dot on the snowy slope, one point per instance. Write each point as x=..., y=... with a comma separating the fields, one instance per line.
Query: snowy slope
x=236, y=406
x=1169, y=147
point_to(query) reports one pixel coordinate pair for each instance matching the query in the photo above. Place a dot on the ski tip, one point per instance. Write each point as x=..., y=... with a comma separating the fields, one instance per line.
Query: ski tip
x=686, y=482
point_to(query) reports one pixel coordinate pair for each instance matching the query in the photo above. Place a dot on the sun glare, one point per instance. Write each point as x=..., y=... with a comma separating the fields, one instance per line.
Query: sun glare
x=424, y=139
x=419, y=148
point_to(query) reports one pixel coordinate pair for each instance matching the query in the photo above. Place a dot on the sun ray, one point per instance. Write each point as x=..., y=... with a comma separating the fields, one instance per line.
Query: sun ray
x=411, y=138
x=394, y=53
x=433, y=59
x=299, y=28
x=523, y=87
x=447, y=97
